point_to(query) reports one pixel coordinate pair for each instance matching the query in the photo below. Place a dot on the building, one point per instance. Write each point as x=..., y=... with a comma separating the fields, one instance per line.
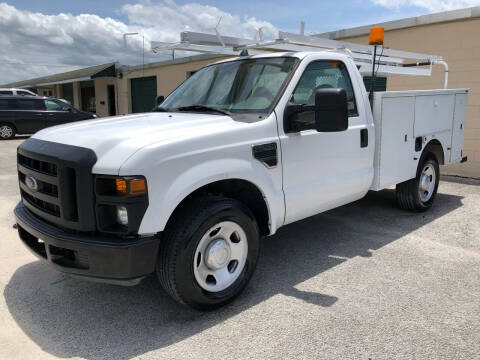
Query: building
x=452, y=35
x=114, y=89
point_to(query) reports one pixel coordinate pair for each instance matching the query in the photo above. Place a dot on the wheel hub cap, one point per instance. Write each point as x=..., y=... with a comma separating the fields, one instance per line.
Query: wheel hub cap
x=427, y=183
x=5, y=132
x=217, y=254
x=220, y=256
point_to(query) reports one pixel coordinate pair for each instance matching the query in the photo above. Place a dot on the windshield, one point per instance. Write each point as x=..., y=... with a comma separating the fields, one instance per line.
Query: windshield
x=242, y=86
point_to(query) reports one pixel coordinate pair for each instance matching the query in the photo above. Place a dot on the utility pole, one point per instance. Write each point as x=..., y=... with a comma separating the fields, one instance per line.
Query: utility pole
x=143, y=47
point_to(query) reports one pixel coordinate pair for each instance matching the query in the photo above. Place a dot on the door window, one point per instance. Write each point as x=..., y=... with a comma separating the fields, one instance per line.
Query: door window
x=6, y=92
x=6, y=104
x=23, y=93
x=321, y=75
x=29, y=104
x=55, y=106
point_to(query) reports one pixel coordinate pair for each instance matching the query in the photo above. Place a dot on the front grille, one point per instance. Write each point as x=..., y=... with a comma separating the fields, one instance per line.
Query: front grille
x=56, y=183
x=42, y=205
x=38, y=165
x=44, y=196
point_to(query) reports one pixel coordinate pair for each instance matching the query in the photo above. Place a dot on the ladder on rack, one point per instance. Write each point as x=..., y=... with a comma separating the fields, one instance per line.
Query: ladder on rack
x=389, y=61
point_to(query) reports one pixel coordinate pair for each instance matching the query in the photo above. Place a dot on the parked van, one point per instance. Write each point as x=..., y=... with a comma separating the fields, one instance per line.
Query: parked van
x=29, y=114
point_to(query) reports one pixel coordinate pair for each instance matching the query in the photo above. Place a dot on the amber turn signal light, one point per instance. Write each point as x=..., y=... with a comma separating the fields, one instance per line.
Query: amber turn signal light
x=138, y=187
x=121, y=186
x=376, y=36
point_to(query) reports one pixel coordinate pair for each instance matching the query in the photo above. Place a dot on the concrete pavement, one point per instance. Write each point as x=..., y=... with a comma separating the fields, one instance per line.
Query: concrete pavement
x=363, y=281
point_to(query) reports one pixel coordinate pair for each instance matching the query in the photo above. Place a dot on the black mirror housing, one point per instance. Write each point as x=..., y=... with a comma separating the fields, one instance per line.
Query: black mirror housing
x=159, y=99
x=331, y=110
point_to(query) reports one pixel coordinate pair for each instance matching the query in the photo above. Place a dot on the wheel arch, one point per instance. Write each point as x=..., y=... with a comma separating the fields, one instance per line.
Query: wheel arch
x=239, y=189
x=3, y=122
x=436, y=148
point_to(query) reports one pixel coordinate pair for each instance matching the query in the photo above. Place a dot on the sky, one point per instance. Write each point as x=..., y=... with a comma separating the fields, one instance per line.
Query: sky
x=39, y=38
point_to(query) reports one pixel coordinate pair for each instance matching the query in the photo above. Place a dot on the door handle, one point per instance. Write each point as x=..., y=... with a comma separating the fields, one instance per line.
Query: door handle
x=39, y=114
x=363, y=138
x=51, y=114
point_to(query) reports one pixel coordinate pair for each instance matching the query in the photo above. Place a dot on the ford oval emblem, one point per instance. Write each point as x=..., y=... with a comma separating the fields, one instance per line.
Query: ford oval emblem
x=31, y=182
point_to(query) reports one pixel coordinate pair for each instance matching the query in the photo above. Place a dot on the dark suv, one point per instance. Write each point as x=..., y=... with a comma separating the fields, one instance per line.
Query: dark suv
x=28, y=114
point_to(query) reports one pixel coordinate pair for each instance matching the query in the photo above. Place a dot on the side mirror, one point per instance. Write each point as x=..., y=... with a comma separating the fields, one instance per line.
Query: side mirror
x=159, y=99
x=331, y=110
x=329, y=114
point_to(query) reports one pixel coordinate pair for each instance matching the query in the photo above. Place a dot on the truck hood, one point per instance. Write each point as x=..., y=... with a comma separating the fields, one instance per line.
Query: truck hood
x=115, y=139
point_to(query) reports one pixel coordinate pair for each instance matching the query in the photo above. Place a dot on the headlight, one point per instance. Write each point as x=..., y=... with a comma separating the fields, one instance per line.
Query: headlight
x=122, y=215
x=121, y=203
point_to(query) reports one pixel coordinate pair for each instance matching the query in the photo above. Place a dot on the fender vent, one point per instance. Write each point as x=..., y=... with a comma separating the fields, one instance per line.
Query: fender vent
x=266, y=153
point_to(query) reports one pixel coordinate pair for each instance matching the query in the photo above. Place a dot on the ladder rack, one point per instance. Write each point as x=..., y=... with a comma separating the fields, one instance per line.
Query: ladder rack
x=388, y=61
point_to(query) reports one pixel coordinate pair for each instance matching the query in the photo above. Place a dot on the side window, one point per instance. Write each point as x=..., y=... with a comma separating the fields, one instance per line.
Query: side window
x=4, y=104
x=55, y=106
x=23, y=93
x=6, y=92
x=29, y=104
x=324, y=74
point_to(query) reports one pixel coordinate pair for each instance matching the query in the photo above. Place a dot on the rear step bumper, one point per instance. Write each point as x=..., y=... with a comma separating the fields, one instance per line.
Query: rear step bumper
x=106, y=259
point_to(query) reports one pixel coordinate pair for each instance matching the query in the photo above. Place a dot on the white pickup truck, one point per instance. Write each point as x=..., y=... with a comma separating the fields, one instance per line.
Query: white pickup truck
x=241, y=148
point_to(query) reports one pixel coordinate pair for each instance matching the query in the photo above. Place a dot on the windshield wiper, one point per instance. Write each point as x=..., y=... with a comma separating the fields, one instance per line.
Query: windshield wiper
x=161, y=109
x=203, y=108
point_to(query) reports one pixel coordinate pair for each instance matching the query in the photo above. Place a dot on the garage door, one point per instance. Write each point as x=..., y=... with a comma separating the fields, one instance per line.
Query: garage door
x=144, y=92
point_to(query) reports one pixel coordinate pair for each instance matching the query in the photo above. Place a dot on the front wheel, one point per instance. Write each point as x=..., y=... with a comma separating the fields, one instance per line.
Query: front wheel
x=418, y=194
x=208, y=252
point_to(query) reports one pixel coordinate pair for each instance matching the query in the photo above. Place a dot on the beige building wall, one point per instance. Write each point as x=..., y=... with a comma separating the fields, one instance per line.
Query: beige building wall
x=458, y=43
x=101, y=95
x=77, y=96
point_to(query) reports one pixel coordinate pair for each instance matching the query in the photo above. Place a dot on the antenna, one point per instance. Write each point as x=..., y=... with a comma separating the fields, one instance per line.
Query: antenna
x=259, y=34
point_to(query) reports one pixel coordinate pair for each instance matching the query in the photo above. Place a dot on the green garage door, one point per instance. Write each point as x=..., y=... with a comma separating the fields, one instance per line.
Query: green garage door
x=144, y=92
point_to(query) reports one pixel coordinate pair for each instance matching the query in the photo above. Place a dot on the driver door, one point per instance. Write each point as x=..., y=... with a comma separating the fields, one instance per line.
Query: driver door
x=323, y=170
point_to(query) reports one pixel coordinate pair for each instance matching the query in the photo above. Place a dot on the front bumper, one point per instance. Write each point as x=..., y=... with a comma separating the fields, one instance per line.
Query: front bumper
x=108, y=259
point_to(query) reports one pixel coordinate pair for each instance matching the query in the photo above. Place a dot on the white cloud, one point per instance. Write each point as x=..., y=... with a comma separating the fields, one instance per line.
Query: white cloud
x=431, y=5
x=35, y=44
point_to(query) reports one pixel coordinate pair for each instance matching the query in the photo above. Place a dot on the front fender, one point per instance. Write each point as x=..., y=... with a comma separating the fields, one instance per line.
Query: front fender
x=181, y=178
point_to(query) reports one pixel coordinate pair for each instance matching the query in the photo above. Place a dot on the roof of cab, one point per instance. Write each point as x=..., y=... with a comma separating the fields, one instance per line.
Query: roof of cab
x=298, y=55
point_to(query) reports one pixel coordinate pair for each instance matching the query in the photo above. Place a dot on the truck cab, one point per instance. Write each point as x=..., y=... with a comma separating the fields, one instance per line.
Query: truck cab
x=241, y=148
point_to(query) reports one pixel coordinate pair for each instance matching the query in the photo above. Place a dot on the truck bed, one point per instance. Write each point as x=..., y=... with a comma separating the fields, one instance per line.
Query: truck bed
x=406, y=121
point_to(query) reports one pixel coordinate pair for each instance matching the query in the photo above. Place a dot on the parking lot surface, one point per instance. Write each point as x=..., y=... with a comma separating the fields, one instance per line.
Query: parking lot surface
x=365, y=281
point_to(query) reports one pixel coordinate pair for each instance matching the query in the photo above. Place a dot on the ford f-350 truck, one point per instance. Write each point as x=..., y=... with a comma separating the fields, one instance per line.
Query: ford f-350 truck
x=241, y=148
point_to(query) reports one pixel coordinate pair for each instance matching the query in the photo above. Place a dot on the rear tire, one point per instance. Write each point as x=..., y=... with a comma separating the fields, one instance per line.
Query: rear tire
x=7, y=131
x=208, y=252
x=418, y=194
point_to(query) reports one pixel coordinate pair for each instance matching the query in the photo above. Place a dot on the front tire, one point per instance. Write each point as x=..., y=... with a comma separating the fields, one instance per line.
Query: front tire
x=418, y=194
x=208, y=252
x=7, y=131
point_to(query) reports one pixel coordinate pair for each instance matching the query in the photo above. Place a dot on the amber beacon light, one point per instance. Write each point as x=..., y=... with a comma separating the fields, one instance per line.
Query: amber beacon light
x=376, y=36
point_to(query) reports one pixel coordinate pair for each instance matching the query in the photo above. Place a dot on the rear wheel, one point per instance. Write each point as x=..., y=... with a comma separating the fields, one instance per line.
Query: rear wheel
x=418, y=194
x=7, y=131
x=208, y=252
